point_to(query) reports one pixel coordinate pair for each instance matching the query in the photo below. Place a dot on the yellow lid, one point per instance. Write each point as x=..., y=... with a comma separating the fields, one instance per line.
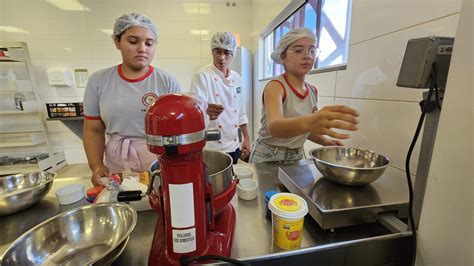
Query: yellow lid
x=287, y=203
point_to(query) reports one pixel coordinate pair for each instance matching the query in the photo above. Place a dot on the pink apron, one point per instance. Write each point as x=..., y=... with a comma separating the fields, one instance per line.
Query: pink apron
x=127, y=154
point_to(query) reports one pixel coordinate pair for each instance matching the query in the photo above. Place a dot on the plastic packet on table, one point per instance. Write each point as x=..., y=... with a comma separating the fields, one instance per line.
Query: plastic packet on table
x=112, y=188
x=142, y=177
x=144, y=203
x=110, y=192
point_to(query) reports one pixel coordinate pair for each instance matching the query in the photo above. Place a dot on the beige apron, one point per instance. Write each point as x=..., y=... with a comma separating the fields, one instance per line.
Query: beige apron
x=127, y=154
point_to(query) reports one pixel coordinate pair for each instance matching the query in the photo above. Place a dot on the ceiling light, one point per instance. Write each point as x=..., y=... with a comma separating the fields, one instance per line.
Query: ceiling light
x=69, y=5
x=200, y=32
x=13, y=29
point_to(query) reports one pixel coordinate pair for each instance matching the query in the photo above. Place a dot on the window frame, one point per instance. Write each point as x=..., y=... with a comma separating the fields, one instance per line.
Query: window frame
x=283, y=16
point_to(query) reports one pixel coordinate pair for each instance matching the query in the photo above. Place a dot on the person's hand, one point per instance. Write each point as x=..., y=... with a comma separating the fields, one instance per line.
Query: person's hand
x=333, y=142
x=335, y=116
x=214, y=110
x=245, y=150
x=99, y=172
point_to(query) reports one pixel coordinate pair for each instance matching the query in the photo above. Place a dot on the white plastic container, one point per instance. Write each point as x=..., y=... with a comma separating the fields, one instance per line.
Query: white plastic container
x=288, y=211
x=70, y=194
x=247, y=189
x=243, y=172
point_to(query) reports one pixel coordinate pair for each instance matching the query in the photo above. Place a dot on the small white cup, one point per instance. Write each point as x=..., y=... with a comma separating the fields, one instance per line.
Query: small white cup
x=70, y=194
x=247, y=189
x=243, y=172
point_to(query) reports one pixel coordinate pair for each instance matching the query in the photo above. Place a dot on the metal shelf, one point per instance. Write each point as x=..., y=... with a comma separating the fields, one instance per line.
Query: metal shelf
x=19, y=144
x=17, y=112
x=11, y=91
x=64, y=118
x=18, y=52
x=22, y=132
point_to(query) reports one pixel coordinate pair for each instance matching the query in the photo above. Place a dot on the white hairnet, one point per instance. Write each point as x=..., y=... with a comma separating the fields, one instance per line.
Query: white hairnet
x=224, y=40
x=289, y=38
x=127, y=21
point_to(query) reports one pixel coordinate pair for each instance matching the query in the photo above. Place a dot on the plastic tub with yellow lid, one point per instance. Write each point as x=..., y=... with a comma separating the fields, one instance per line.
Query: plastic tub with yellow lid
x=288, y=211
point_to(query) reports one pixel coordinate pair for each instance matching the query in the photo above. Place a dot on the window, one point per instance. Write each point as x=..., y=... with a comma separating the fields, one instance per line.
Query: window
x=329, y=20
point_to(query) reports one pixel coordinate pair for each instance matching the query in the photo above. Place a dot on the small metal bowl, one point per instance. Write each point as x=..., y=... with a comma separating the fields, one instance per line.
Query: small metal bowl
x=91, y=234
x=20, y=191
x=349, y=166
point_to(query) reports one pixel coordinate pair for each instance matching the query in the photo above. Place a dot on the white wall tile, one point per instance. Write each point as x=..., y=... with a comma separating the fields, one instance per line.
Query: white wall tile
x=172, y=29
x=65, y=140
x=324, y=82
x=386, y=127
x=372, y=18
x=219, y=12
x=111, y=10
x=58, y=49
x=373, y=66
x=74, y=155
x=178, y=66
x=56, y=126
x=104, y=50
x=173, y=11
x=178, y=48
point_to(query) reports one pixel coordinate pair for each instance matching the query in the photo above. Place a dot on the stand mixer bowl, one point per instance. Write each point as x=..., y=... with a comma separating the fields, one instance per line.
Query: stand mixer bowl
x=219, y=168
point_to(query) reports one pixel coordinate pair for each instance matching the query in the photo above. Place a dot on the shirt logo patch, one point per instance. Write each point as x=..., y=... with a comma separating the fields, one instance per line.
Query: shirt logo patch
x=149, y=98
x=238, y=90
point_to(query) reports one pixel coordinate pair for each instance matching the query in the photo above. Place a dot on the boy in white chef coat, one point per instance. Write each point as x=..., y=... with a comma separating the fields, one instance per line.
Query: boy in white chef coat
x=218, y=91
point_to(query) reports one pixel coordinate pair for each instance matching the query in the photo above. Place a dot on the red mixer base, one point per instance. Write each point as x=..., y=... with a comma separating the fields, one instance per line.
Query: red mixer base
x=219, y=241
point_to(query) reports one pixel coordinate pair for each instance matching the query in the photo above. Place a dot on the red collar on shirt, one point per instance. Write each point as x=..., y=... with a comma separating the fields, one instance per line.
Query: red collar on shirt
x=295, y=91
x=146, y=75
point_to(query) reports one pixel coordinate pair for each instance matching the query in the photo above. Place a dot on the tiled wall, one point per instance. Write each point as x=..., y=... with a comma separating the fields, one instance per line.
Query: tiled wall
x=75, y=39
x=379, y=33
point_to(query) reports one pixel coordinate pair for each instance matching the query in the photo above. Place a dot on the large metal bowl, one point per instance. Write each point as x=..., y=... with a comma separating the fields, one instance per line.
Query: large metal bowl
x=219, y=168
x=91, y=234
x=18, y=192
x=349, y=166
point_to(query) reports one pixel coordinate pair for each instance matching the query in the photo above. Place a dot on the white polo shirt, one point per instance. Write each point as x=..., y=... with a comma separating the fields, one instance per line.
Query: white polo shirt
x=210, y=85
x=122, y=102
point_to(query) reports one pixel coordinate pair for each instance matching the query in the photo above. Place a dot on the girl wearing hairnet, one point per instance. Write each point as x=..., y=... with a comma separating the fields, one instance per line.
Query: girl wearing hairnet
x=116, y=99
x=290, y=115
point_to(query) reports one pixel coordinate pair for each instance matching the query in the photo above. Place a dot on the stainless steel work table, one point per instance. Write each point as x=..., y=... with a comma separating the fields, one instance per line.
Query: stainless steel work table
x=367, y=244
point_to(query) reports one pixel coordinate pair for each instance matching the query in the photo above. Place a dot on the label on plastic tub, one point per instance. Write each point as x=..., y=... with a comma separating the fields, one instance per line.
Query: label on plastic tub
x=287, y=233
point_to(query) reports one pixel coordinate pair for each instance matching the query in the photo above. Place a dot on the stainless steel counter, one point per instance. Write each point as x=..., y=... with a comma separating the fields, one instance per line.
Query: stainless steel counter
x=252, y=240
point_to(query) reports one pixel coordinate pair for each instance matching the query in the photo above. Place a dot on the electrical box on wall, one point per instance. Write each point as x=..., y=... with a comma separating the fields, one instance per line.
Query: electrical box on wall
x=60, y=77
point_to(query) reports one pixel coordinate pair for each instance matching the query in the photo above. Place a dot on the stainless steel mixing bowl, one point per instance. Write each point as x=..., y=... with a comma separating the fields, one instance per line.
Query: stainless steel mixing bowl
x=219, y=168
x=18, y=192
x=91, y=234
x=349, y=166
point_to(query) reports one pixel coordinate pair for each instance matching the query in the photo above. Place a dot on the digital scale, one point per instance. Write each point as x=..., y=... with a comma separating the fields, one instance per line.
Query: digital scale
x=332, y=205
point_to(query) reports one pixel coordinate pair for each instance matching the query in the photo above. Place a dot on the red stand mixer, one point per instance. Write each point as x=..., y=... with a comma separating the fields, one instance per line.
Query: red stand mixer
x=192, y=221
